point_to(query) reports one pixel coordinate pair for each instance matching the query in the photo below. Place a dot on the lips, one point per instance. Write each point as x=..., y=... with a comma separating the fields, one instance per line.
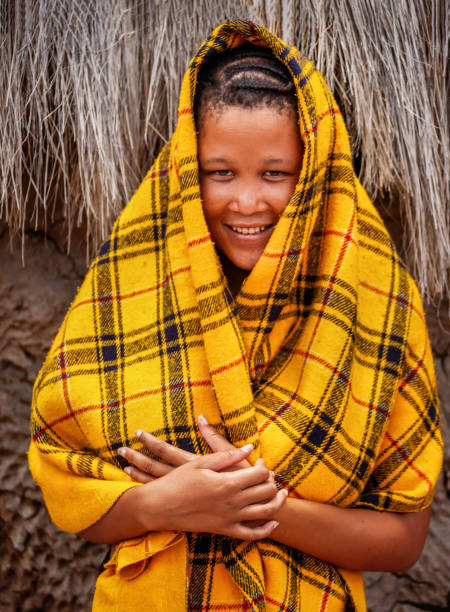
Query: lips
x=250, y=230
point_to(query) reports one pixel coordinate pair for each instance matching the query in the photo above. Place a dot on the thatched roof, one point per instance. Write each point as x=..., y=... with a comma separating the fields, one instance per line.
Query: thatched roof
x=90, y=91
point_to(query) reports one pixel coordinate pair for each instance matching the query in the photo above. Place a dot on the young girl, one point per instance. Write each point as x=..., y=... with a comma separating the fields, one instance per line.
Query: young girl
x=249, y=326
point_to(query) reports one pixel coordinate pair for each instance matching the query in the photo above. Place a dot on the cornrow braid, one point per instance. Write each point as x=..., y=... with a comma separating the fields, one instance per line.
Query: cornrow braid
x=247, y=76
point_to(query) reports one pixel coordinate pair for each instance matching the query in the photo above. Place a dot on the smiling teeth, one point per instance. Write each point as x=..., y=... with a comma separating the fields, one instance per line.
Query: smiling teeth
x=249, y=230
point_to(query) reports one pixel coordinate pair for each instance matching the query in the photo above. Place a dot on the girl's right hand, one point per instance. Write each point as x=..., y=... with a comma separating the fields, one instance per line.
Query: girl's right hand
x=199, y=496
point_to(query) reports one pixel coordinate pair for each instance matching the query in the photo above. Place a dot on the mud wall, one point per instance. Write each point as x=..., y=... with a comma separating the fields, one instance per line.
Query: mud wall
x=42, y=568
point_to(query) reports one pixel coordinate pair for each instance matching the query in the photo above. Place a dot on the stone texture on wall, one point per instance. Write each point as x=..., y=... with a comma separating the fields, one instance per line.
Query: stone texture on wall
x=42, y=568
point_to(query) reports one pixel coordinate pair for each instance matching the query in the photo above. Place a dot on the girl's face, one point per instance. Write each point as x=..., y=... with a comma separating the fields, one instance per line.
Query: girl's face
x=249, y=162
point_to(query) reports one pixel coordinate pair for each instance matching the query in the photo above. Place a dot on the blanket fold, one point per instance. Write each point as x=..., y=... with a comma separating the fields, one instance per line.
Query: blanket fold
x=322, y=362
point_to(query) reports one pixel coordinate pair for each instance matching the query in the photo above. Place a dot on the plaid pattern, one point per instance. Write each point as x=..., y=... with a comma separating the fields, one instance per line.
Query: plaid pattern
x=322, y=362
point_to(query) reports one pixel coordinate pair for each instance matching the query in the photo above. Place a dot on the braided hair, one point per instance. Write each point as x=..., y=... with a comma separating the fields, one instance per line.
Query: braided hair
x=248, y=76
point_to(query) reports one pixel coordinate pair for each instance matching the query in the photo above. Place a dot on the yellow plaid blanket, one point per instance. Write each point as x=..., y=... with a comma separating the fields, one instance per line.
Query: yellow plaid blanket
x=322, y=362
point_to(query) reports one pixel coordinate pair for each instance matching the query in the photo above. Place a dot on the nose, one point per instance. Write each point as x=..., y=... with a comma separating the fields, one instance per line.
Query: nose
x=248, y=200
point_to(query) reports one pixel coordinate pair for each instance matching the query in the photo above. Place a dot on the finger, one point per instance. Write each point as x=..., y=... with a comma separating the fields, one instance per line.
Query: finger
x=143, y=463
x=271, y=478
x=266, y=511
x=244, y=532
x=215, y=440
x=251, y=476
x=261, y=493
x=137, y=475
x=224, y=459
x=169, y=453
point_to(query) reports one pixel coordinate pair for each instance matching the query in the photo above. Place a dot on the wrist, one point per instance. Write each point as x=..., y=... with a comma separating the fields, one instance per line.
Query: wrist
x=290, y=518
x=149, y=507
x=280, y=517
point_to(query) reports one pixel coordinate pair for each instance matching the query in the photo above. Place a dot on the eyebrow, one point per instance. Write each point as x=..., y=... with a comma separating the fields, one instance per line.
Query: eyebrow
x=216, y=160
x=223, y=160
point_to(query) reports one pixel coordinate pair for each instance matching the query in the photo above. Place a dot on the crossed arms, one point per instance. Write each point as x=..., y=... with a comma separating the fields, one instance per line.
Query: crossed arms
x=223, y=493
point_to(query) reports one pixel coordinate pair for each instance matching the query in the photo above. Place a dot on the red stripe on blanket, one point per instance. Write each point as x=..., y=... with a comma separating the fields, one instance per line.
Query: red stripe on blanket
x=185, y=111
x=118, y=402
x=399, y=298
x=281, y=410
x=125, y=296
x=259, y=366
x=408, y=460
x=242, y=605
x=228, y=366
x=175, y=163
x=287, y=486
x=64, y=377
x=299, y=250
x=158, y=173
x=413, y=372
x=280, y=606
x=278, y=254
x=327, y=592
x=312, y=130
x=348, y=238
x=198, y=241
x=378, y=409
x=307, y=354
x=342, y=377
x=328, y=291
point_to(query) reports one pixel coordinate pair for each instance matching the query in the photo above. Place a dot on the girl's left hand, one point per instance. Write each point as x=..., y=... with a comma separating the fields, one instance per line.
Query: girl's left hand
x=144, y=469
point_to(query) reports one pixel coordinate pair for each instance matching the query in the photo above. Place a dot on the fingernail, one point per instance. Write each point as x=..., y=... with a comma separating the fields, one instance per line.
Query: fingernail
x=247, y=447
x=260, y=461
x=272, y=473
x=127, y=470
x=202, y=420
x=285, y=492
x=138, y=433
x=122, y=451
x=275, y=524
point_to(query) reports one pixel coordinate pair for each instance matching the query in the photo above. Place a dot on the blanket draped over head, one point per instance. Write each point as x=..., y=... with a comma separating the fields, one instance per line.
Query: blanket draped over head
x=322, y=361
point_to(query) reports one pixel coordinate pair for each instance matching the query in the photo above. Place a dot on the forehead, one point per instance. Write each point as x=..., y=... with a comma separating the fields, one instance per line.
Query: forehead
x=255, y=132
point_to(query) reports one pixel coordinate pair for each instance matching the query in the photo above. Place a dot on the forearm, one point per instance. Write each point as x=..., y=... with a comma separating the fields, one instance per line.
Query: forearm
x=199, y=496
x=132, y=515
x=352, y=538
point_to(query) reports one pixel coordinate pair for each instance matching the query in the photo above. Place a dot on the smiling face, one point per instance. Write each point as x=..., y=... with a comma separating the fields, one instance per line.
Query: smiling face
x=249, y=160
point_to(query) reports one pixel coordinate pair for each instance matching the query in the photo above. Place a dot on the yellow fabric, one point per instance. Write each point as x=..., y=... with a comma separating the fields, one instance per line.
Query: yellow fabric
x=322, y=362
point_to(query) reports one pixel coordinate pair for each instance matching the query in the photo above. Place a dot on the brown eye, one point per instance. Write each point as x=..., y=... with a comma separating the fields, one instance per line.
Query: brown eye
x=222, y=172
x=275, y=173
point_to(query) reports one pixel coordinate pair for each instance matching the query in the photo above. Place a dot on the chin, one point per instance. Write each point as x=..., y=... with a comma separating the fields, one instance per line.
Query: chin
x=246, y=264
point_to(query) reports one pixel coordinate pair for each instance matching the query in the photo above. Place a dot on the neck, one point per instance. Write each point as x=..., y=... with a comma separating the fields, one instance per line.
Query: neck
x=234, y=275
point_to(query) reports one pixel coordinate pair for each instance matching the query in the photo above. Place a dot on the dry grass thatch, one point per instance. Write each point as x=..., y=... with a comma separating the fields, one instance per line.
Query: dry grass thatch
x=90, y=91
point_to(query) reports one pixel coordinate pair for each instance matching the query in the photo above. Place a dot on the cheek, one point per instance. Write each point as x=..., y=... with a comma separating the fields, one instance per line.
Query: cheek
x=214, y=197
x=282, y=195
